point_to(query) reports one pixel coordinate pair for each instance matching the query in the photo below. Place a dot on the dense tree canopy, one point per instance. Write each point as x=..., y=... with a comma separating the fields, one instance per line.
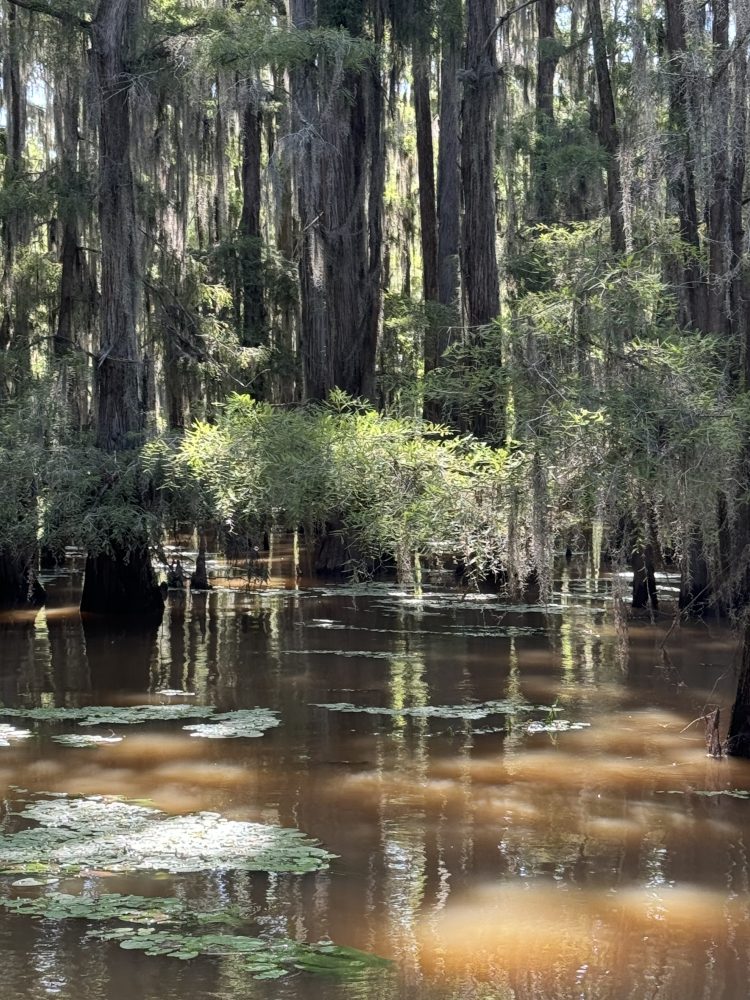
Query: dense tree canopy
x=466, y=280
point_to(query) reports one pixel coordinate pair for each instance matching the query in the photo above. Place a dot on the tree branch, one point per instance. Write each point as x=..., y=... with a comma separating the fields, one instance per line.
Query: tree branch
x=506, y=17
x=64, y=16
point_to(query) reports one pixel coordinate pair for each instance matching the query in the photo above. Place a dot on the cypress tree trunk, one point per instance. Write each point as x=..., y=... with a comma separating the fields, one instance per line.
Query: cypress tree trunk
x=681, y=187
x=337, y=134
x=608, y=133
x=718, y=207
x=121, y=581
x=479, y=253
x=254, y=317
x=426, y=170
x=545, y=117
x=449, y=175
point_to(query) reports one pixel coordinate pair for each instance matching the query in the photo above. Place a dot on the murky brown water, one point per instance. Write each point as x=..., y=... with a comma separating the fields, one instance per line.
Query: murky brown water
x=487, y=864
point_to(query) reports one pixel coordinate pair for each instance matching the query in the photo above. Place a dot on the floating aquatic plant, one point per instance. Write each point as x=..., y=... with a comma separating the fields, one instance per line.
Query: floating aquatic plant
x=84, y=740
x=556, y=726
x=246, y=722
x=11, y=734
x=168, y=926
x=76, y=834
x=478, y=710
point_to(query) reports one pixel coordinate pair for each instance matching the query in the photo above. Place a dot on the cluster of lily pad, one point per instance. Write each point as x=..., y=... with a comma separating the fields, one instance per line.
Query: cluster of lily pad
x=168, y=926
x=471, y=712
x=97, y=832
x=12, y=734
x=246, y=722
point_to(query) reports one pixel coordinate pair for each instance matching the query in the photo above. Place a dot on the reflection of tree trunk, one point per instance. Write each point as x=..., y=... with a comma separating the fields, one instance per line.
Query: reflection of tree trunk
x=119, y=655
x=70, y=671
x=738, y=738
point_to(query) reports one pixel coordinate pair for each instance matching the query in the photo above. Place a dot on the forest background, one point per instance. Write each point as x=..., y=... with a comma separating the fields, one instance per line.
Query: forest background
x=442, y=280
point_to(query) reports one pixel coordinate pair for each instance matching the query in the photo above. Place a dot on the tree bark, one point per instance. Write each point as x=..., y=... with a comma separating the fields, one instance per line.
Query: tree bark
x=426, y=170
x=479, y=252
x=608, y=132
x=337, y=132
x=718, y=207
x=545, y=114
x=449, y=174
x=254, y=316
x=681, y=187
x=121, y=581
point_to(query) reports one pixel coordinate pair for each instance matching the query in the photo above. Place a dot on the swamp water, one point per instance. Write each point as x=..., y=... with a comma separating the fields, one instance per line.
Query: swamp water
x=514, y=804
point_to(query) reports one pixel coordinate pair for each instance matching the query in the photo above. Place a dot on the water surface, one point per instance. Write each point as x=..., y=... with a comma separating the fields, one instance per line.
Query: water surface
x=485, y=860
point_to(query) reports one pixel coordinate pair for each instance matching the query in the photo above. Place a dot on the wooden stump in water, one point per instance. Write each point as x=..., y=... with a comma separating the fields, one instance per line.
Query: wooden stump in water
x=713, y=739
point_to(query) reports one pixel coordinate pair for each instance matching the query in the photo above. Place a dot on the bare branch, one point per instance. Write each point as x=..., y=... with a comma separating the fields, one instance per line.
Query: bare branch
x=64, y=16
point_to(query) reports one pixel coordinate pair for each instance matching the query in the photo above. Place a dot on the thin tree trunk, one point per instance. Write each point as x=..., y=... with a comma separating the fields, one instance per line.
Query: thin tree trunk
x=449, y=174
x=426, y=171
x=718, y=208
x=608, y=132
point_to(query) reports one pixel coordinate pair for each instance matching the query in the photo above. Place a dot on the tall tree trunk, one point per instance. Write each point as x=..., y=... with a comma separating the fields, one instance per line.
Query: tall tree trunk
x=682, y=184
x=426, y=170
x=121, y=581
x=718, y=207
x=479, y=252
x=337, y=127
x=608, y=132
x=546, y=66
x=254, y=316
x=449, y=174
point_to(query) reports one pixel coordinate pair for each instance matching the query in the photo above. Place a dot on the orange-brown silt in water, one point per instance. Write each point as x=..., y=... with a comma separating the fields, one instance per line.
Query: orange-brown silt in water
x=524, y=810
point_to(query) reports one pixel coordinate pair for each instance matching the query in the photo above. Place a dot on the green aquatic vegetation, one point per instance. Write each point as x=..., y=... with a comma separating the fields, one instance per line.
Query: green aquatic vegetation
x=108, y=715
x=244, y=723
x=556, y=726
x=11, y=734
x=479, y=710
x=166, y=926
x=77, y=834
x=85, y=740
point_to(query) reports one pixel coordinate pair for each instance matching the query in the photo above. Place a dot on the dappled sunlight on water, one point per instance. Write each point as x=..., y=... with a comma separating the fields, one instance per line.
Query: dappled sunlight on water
x=487, y=861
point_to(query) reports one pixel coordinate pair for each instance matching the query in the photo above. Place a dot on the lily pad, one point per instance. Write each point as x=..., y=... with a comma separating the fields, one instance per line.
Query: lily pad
x=247, y=722
x=11, y=734
x=76, y=834
x=167, y=926
x=84, y=740
x=556, y=726
x=470, y=712
x=108, y=715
